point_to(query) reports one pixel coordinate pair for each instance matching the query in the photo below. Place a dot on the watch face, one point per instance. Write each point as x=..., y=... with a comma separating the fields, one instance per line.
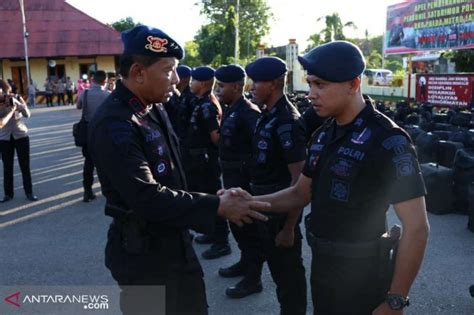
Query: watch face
x=396, y=302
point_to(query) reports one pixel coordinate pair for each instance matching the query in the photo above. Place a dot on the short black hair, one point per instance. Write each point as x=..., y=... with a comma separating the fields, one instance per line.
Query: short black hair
x=100, y=76
x=127, y=60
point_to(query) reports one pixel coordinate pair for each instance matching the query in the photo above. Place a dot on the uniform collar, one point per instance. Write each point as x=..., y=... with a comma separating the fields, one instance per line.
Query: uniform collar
x=205, y=95
x=279, y=105
x=132, y=100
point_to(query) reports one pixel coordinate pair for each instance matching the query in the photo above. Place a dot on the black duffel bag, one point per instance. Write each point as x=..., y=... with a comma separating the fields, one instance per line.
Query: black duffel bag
x=446, y=151
x=463, y=175
x=470, y=212
x=426, y=146
x=439, y=185
x=79, y=132
x=79, y=129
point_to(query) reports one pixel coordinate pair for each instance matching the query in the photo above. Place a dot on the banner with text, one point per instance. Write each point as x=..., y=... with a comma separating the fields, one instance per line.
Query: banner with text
x=451, y=90
x=424, y=25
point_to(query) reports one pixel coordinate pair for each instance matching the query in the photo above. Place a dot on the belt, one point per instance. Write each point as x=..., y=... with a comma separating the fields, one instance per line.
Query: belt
x=197, y=151
x=343, y=249
x=231, y=164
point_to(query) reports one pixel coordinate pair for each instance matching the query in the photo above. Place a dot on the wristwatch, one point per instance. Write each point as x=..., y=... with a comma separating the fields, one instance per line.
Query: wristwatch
x=396, y=302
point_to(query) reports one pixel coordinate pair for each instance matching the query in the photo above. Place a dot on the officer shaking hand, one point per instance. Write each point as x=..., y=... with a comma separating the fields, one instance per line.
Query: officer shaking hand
x=138, y=162
x=359, y=162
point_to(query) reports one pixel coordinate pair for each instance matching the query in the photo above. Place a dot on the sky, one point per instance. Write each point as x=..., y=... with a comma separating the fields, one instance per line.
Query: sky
x=291, y=18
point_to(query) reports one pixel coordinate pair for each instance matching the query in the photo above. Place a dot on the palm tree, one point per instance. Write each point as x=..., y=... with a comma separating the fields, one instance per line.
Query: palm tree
x=334, y=27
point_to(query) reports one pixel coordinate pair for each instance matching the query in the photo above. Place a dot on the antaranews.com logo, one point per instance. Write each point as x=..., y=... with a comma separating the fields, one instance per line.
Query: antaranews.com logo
x=88, y=302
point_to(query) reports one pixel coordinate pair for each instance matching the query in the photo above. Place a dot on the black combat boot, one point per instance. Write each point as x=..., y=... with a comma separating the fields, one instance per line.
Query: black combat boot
x=250, y=284
x=89, y=196
x=217, y=250
x=236, y=270
x=204, y=239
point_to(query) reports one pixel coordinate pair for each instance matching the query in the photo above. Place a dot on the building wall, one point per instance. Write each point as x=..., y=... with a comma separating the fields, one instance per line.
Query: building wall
x=39, y=67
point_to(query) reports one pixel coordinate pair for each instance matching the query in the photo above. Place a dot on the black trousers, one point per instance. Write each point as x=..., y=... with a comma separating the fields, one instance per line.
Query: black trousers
x=345, y=285
x=61, y=99
x=160, y=265
x=22, y=147
x=70, y=100
x=247, y=237
x=49, y=99
x=206, y=180
x=88, y=171
x=286, y=267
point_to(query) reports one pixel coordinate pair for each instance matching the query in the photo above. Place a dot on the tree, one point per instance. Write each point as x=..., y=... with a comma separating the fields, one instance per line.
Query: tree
x=191, y=56
x=334, y=29
x=124, y=24
x=464, y=59
x=374, y=60
x=216, y=39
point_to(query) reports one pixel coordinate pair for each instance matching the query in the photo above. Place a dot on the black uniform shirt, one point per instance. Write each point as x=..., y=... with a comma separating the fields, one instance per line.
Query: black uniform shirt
x=279, y=140
x=137, y=161
x=205, y=118
x=357, y=171
x=236, y=133
x=184, y=111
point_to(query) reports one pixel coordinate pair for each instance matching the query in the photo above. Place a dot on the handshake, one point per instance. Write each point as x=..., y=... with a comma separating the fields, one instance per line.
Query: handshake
x=239, y=207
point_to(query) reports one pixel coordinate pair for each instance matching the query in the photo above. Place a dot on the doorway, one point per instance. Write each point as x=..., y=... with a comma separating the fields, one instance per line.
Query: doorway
x=20, y=79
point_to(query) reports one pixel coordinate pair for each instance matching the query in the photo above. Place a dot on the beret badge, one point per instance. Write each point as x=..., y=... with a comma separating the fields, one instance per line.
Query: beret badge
x=156, y=44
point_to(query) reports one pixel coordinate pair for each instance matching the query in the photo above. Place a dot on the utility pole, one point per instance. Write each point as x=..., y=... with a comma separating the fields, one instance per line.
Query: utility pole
x=25, y=41
x=236, y=49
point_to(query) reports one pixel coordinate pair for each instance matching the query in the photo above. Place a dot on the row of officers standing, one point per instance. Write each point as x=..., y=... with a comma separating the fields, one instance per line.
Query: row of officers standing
x=222, y=132
x=151, y=146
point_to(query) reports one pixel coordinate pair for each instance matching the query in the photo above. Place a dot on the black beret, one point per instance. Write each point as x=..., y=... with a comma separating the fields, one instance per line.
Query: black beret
x=266, y=69
x=230, y=73
x=336, y=61
x=184, y=71
x=148, y=41
x=202, y=73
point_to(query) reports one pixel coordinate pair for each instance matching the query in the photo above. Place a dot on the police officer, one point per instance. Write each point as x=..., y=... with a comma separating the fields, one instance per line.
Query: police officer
x=359, y=162
x=235, y=150
x=138, y=163
x=201, y=154
x=278, y=147
x=184, y=109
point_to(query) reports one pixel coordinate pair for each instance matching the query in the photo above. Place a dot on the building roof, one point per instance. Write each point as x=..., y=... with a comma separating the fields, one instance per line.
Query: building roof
x=56, y=29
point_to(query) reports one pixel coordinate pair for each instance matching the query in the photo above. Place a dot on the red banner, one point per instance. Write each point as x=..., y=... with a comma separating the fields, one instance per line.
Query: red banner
x=427, y=25
x=451, y=90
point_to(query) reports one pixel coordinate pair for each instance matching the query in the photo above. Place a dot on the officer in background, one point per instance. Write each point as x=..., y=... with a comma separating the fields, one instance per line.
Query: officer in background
x=235, y=151
x=312, y=121
x=141, y=175
x=279, y=151
x=359, y=162
x=186, y=97
x=200, y=154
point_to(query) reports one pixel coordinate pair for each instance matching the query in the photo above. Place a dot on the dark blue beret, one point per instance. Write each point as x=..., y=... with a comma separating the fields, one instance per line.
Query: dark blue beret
x=230, y=73
x=184, y=71
x=148, y=41
x=336, y=61
x=202, y=73
x=266, y=69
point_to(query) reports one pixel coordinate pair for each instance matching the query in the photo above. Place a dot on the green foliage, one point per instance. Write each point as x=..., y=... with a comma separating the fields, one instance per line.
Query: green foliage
x=398, y=77
x=124, y=24
x=393, y=64
x=464, y=59
x=334, y=29
x=216, y=40
x=374, y=60
x=191, y=56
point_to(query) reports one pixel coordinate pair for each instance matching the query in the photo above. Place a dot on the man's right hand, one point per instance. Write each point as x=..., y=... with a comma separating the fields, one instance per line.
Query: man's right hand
x=237, y=207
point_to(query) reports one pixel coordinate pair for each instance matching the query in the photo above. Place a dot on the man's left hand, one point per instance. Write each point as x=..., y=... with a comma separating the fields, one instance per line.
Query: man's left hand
x=285, y=238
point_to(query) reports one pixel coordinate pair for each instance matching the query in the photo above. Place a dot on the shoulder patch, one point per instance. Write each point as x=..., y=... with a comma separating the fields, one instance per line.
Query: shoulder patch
x=284, y=128
x=119, y=131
